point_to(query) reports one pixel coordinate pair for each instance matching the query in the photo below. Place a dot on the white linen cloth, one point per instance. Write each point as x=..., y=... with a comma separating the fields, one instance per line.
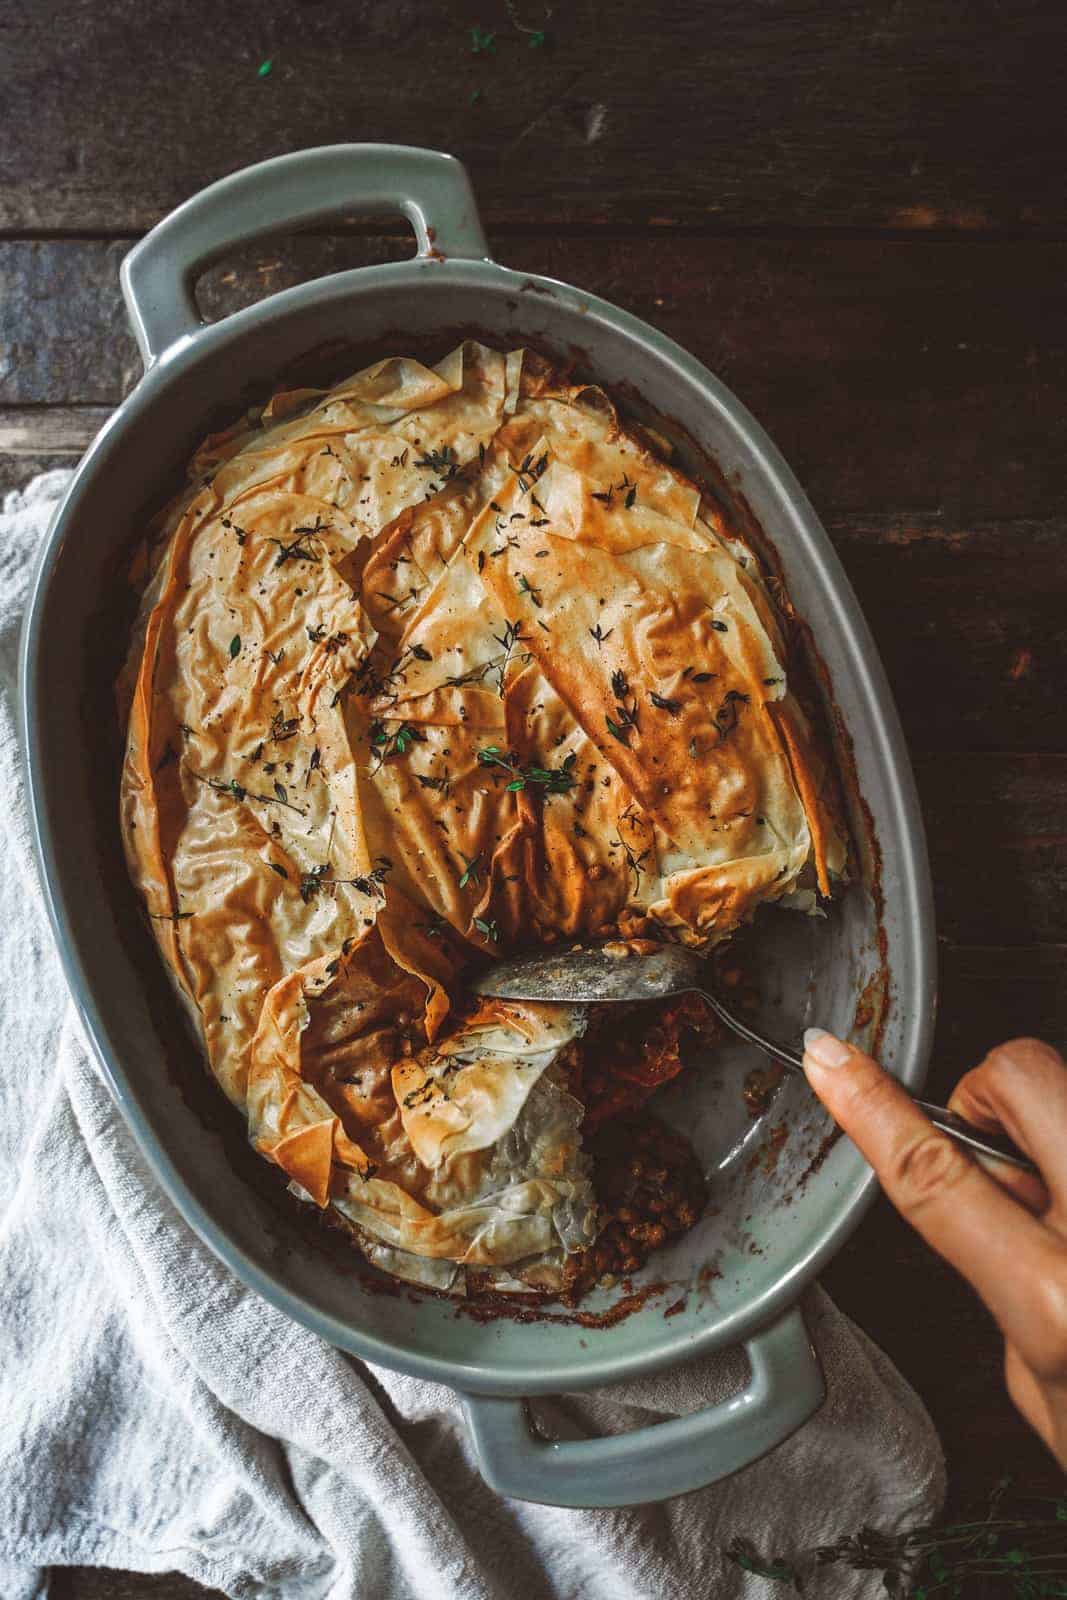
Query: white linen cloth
x=156, y=1415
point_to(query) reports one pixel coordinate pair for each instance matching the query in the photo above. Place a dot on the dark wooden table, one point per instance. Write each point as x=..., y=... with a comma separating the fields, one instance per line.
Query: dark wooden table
x=856, y=214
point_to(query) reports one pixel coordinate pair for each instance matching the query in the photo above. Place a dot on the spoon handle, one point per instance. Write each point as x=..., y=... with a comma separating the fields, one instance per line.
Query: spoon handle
x=997, y=1145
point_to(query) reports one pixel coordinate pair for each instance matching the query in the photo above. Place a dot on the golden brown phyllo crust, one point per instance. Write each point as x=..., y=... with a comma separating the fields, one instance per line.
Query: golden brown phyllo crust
x=439, y=663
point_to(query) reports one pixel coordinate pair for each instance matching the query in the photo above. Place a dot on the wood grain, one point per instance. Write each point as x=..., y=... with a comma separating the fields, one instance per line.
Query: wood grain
x=997, y=832
x=777, y=114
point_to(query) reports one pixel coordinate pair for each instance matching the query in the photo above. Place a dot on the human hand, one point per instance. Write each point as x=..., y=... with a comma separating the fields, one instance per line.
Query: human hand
x=1003, y=1229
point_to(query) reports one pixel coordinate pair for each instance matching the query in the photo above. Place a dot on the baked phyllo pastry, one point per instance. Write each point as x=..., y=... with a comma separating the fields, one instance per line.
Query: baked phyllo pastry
x=432, y=666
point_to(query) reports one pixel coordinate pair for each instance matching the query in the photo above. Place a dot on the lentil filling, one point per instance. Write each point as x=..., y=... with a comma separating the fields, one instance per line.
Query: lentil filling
x=648, y=1181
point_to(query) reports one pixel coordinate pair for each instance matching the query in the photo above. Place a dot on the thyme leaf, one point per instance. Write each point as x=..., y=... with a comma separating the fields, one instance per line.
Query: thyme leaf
x=471, y=869
x=727, y=714
x=662, y=703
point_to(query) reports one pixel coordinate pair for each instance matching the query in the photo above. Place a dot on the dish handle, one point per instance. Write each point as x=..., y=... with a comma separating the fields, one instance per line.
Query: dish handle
x=668, y=1458
x=429, y=188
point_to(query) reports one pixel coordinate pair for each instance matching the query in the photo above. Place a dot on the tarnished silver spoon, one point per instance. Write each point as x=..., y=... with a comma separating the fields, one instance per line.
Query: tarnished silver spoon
x=605, y=976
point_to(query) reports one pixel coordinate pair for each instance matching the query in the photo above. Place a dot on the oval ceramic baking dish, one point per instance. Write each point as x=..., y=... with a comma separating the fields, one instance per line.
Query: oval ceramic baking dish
x=736, y=1278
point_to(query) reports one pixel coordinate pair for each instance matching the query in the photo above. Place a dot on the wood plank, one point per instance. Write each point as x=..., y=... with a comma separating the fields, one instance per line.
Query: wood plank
x=931, y=376
x=996, y=827
x=970, y=623
x=50, y=432
x=990, y=993
x=784, y=113
x=36, y=439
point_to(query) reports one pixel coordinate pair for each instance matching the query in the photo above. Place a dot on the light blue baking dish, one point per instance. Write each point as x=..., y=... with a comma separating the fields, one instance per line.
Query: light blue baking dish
x=737, y=1277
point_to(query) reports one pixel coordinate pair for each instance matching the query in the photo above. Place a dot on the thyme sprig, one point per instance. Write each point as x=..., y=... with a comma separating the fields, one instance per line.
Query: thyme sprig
x=443, y=462
x=368, y=883
x=386, y=745
x=300, y=548
x=474, y=675
x=237, y=791
x=1025, y=1557
x=634, y=862
x=742, y=1552
x=553, y=780
x=507, y=641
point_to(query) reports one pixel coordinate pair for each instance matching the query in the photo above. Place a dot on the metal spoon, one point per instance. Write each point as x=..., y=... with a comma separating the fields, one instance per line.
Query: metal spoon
x=601, y=976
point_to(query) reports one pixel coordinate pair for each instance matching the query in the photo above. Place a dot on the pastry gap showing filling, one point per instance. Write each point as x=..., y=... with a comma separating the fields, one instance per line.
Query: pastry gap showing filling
x=649, y=1184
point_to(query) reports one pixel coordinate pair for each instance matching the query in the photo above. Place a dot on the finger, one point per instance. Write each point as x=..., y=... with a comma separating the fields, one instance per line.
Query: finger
x=1021, y=1086
x=1026, y=1187
x=1008, y=1255
x=1030, y=1398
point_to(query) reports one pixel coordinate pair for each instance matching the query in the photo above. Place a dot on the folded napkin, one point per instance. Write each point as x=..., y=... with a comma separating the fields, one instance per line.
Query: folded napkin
x=156, y=1415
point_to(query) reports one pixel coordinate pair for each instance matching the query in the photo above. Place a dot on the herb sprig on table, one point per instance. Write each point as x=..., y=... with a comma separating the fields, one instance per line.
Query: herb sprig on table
x=1018, y=1557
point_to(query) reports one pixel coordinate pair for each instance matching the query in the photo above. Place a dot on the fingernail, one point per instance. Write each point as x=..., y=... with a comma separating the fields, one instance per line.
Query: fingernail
x=825, y=1049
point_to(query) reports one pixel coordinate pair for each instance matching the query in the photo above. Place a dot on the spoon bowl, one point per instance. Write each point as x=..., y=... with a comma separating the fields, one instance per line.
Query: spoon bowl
x=613, y=973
